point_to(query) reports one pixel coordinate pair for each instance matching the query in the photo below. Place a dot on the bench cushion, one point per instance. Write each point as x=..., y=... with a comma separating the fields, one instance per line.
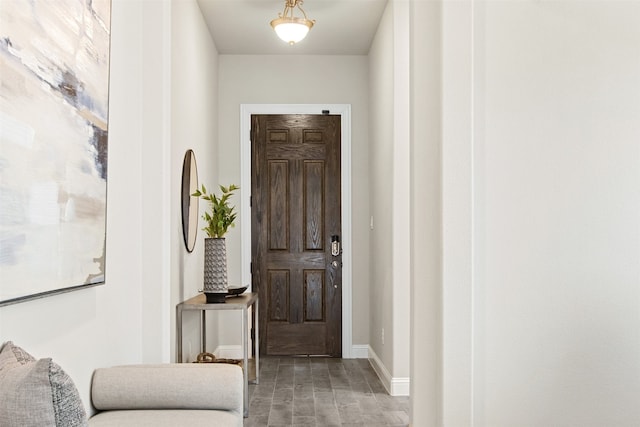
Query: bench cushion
x=168, y=386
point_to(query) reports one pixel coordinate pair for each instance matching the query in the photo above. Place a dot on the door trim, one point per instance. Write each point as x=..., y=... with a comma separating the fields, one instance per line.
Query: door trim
x=344, y=110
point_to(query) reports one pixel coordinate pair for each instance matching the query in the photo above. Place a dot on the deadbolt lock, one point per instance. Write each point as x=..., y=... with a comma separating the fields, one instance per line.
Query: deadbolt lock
x=335, y=245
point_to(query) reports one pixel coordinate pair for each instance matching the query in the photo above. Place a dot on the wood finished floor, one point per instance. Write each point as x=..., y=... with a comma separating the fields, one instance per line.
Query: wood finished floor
x=319, y=392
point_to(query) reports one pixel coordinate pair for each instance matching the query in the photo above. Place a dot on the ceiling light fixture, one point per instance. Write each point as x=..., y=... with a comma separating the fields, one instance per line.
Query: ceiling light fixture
x=289, y=28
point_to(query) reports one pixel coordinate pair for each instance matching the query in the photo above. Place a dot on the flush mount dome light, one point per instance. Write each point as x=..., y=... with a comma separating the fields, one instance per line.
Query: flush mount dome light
x=289, y=28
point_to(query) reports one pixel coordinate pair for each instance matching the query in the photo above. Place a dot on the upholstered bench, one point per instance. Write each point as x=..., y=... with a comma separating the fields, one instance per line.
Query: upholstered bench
x=38, y=393
x=182, y=394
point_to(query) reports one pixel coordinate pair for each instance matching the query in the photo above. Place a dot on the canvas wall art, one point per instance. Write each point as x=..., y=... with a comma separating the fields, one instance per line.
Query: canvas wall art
x=54, y=87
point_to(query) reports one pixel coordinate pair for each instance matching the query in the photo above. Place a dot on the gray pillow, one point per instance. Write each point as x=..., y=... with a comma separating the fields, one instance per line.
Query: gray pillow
x=14, y=355
x=36, y=392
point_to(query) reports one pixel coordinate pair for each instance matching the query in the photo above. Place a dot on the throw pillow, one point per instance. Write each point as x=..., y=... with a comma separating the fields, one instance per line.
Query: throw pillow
x=14, y=354
x=67, y=404
x=36, y=392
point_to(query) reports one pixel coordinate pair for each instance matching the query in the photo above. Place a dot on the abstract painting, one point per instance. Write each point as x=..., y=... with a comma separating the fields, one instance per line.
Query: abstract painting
x=54, y=91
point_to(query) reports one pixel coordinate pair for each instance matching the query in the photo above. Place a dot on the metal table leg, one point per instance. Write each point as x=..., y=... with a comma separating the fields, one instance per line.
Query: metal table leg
x=256, y=340
x=179, y=332
x=203, y=329
x=245, y=367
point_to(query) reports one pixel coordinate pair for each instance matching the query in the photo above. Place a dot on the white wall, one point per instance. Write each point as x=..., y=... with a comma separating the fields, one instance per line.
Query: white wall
x=295, y=79
x=155, y=236
x=194, y=119
x=381, y=177
x=457, y=211
x=390, y=205
x=426, y=214
x=128, y=320
x=541, y=213
x=401, y=198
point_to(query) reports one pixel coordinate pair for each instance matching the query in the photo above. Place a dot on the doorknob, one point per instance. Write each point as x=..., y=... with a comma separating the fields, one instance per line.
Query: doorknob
x=335, y=245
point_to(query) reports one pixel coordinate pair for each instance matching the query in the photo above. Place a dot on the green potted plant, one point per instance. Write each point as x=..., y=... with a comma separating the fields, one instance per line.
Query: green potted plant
x=218, y=218
x=222, y=215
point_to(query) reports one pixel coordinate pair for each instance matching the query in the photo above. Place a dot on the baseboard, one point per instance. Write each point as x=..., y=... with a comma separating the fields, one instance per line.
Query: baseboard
x=360, y=351
x=397, y=386
x=400, y=386
x=228, y=352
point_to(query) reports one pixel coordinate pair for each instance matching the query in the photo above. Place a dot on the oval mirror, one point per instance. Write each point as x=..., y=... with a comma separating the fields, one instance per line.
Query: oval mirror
x=189, y=202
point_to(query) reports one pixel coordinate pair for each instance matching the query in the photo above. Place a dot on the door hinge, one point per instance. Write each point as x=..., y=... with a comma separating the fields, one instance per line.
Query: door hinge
x=250, y=201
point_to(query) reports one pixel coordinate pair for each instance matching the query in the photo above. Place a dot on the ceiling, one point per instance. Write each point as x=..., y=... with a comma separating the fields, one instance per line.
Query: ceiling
x=343, y=27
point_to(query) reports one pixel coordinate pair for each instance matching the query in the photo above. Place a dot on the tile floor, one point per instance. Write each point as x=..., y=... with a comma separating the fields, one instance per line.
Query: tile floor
x=319, y=392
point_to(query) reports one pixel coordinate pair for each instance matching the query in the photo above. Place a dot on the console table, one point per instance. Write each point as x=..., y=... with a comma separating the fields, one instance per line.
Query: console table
x=241, y=302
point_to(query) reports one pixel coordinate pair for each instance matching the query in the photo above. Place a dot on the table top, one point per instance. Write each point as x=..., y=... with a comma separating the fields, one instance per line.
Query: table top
x=199, y=302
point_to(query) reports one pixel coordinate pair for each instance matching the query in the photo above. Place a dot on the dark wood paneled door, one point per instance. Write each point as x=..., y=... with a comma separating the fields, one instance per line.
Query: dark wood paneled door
x=296, y=221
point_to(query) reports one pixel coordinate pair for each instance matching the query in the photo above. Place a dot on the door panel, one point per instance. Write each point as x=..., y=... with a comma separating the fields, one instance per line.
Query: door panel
x=295, y=212
x=279, y=205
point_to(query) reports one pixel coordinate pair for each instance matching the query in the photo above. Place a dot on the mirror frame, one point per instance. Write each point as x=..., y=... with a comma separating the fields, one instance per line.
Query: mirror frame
x=189, y=204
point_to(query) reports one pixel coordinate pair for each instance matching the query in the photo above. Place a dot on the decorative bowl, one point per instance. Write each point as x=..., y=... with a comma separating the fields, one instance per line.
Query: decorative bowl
x=236, y=291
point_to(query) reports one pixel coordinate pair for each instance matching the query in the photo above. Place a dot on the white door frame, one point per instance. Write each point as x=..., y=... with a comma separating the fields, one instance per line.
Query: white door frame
x=344, y=110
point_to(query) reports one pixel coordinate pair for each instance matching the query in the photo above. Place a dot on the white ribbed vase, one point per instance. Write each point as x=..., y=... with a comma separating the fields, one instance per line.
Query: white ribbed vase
x=215, y=269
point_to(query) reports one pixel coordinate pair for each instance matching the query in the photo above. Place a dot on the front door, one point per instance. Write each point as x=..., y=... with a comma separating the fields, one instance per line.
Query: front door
x=296, y=222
